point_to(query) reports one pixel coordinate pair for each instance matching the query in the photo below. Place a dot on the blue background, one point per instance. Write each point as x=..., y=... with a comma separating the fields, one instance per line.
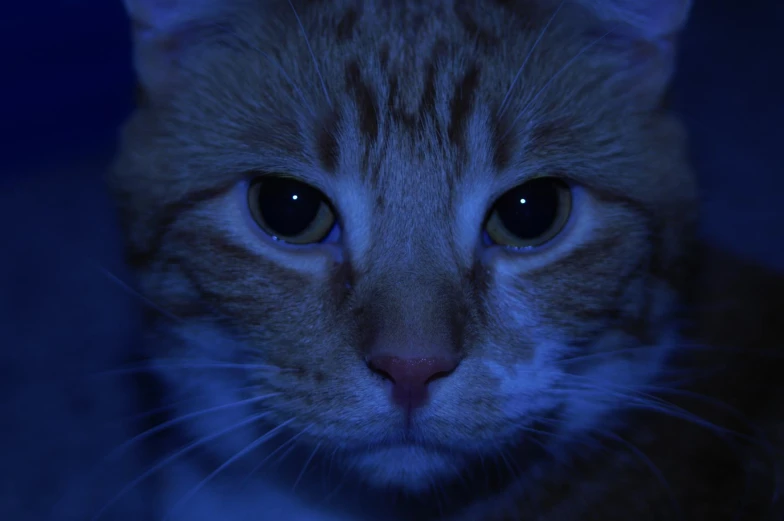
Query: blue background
x=67, y=84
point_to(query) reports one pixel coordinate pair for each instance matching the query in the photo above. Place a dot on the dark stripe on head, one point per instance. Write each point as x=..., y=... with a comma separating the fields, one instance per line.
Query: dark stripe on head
x=395, y=110
x=396, y=107
x=364, y=99
x=501, y=138
x=345, y=29
x=383, y=57
x=460, y=106
x=483, y=37
x=327, y=147
x=427, y=104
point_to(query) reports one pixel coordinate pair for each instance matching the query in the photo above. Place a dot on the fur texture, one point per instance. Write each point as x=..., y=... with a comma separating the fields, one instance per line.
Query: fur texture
x=412, y=118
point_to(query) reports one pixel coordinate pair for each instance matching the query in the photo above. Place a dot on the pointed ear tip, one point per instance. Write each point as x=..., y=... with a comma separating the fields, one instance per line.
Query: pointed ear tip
x=679, y=18
x=136, y=9
x=135, y=5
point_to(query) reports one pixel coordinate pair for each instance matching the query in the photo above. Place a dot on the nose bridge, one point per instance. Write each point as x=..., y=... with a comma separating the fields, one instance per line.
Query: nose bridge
x=416, y=327
x=411, y=277
x=414, y=221
x=415, y=314
x=414, y=251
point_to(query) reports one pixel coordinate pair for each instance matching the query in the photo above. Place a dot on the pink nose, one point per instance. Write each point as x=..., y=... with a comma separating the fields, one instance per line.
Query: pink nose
x=410, y=376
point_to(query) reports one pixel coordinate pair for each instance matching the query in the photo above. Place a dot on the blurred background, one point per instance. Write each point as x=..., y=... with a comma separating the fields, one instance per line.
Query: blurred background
x=67, y=84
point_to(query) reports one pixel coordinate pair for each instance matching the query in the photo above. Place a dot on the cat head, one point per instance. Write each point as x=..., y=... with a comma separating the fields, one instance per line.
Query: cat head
x=417, y=228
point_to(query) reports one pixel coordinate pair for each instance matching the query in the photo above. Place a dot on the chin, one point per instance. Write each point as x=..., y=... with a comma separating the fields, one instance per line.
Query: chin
x=410, y=468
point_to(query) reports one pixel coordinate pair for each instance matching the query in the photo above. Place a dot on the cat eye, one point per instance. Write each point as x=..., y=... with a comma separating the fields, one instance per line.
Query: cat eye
x=290, y=210
x=530, y=214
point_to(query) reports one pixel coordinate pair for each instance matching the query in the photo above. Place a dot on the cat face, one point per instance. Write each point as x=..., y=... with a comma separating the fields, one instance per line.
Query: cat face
x=415, y=230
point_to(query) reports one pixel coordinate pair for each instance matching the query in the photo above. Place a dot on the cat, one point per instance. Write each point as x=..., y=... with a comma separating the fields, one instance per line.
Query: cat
x=494, y=306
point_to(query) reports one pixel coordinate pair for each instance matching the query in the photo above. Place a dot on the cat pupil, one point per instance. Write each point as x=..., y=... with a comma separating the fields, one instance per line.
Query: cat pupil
x=288, y=206
x=530, y=210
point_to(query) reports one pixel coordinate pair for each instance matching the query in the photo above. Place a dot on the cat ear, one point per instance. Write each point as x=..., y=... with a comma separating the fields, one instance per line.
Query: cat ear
x=162, y=31
x=641, y=44
x=649, y=20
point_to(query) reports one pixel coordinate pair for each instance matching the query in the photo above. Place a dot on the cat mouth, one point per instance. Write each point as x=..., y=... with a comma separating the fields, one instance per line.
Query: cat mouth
x=409, y=444
x=411, y=465
x=403, y=441
x=414, y=448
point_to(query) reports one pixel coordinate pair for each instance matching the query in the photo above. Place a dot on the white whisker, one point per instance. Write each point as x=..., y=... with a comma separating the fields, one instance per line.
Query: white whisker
x=188, y=364
x=305, y=466
x=502, y=107
x=288, y=443
x=639, y=400
x=186, y=417
x=258, y=442
x=552, y=79
x=280, y=68
x=173, y=406
x=135, y=293
x=169, y=459
x=656, y=471
x=312, y=55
